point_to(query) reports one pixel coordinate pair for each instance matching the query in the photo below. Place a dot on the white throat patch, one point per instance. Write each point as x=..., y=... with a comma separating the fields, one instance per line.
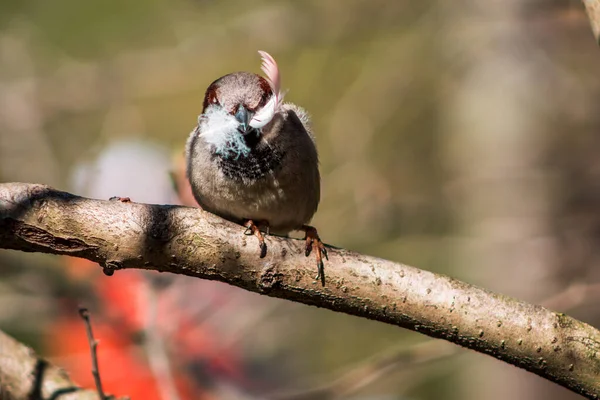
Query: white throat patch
x=219, y=129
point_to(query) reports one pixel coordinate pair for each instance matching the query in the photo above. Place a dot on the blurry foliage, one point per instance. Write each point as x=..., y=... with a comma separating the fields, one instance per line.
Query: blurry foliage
x=97, y=28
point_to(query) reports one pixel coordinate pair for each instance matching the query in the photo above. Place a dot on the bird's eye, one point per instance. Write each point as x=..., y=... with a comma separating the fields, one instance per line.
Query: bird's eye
x=210, y=98
x=263, y=100
x=265, y=97
x=267, y=92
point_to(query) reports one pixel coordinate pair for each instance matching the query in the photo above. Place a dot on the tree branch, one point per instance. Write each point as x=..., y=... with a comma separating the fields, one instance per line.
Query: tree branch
x=191, y=242
x=24, y=376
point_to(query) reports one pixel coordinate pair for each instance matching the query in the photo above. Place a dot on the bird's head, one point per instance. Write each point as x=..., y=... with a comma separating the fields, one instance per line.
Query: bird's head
x=238, y=106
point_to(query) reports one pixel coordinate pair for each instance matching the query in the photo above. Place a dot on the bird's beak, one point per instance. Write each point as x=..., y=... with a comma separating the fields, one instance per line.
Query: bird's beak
x=244, y=116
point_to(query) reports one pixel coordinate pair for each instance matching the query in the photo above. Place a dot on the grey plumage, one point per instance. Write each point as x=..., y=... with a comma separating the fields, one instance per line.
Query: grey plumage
x=268, y=174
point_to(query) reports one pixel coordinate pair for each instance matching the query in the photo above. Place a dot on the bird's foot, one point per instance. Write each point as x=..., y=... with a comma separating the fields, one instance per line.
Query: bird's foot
x=253, y=229
x=121, y=199
x=313, y=242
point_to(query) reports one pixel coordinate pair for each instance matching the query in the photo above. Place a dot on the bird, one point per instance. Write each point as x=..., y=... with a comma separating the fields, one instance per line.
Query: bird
x=252, y=159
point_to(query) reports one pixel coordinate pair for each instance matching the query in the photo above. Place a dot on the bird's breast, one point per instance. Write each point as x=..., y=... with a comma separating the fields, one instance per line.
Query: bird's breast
x=255, y=166
x=276, y=182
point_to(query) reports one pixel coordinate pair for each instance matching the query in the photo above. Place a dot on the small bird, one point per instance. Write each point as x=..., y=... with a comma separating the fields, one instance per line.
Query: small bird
x=252, y=158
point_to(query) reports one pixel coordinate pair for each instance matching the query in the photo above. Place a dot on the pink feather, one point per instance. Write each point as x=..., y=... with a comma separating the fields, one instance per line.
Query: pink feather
x=269, y=67
x=266, y=114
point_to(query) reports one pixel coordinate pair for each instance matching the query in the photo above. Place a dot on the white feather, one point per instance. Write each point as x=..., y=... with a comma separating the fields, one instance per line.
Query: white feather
x=219, y=129
x=265, y=114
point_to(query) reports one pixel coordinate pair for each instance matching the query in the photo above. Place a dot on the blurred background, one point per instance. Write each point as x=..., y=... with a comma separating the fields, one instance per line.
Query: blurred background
x=460, y=137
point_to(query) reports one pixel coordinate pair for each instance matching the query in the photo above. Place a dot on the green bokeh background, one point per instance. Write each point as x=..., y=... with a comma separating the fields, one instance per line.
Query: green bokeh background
x=460, y=137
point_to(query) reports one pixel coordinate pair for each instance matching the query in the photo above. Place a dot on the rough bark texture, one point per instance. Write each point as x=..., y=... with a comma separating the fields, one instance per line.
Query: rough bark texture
x=191, y=242
x=25, y=376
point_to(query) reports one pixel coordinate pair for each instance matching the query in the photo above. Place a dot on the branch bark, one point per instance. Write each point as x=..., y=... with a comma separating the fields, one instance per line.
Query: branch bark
x=25, y=376
x=191, y=242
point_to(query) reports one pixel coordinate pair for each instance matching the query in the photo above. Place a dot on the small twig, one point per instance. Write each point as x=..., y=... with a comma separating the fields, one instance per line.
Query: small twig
x=85, y=314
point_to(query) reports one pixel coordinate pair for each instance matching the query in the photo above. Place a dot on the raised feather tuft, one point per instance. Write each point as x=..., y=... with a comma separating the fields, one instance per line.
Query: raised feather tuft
x=271, y=70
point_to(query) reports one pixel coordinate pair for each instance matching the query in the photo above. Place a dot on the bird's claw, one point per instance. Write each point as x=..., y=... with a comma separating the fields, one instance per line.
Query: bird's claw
x=320, y=272
x=263, y=249
x=313, y=242
x=252, y=229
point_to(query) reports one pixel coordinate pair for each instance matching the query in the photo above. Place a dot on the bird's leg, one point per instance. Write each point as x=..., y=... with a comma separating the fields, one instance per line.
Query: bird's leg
x=252, y=229
x=313, y=242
